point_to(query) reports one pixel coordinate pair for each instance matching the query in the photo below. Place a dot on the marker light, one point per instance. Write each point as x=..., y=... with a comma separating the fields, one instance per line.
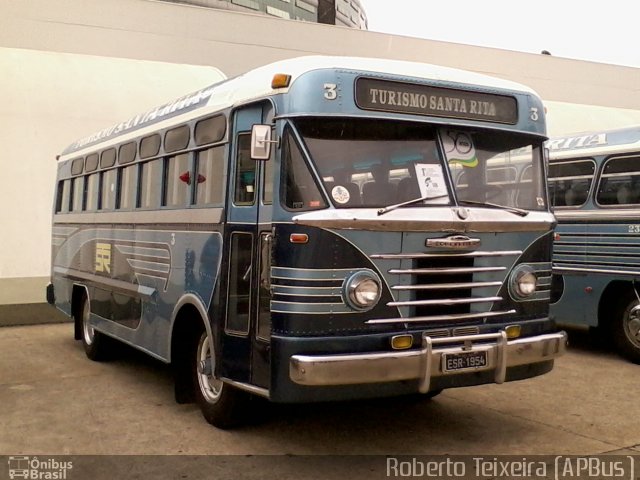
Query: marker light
x=401, y=342
x=522, y=283
x=513, y=331
x=298, y=238
x=362, y=290
x=280, y=80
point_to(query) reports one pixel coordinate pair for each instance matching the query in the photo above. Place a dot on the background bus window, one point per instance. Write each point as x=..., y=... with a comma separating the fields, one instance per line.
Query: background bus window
x=570, y=182
x=127, y=187
x=78, y=192
x=209, y=174
x=620, y=182
x=92, y=187
x=178, y=181
x=108, y=191
x=245, y=181
x=150, y=184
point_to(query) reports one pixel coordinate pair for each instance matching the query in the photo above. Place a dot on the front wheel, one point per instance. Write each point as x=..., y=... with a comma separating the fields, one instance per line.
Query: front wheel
x=626, y=330
x=222, y=405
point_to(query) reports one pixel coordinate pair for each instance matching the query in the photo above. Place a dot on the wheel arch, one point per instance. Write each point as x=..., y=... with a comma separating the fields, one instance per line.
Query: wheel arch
x=615, y=293
x=182, y=312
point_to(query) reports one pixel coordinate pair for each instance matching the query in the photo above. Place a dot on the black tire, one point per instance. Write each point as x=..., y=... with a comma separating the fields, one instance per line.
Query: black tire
x=95, y=343
x=626, y=329
x=222, y=405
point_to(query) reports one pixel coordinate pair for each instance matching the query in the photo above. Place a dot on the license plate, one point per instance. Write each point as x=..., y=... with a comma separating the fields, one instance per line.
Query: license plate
x=452, y=362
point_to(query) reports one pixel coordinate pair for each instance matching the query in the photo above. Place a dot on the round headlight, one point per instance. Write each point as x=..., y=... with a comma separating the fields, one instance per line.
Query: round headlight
x=523, y=282
x=362, y=290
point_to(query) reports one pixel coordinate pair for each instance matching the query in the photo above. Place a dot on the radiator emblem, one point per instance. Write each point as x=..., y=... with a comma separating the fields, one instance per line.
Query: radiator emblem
x=454, y=241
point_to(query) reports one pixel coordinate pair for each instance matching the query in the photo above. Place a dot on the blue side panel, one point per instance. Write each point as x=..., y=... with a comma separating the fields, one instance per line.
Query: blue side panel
x=144, y=271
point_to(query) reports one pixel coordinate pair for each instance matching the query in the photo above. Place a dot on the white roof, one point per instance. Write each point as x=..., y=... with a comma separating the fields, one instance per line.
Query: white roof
x=257, y=84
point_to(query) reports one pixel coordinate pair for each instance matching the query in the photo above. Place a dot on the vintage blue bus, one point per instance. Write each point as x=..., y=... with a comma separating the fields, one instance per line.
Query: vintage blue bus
x=318, y=229
x=594, y=180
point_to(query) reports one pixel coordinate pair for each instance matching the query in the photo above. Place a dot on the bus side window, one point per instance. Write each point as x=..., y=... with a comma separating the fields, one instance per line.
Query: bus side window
x=126, y=187
x=246, y=168
x=91, y=190
x=63, y=196
x=77, y=193
x=209, y=182
x=150, y=184
x=177, y=181
x=108, y=190
x=298, y=190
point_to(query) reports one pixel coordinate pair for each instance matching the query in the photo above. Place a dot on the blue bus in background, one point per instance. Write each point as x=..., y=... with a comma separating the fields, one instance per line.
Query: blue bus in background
x=317, y=229
x=594, y=182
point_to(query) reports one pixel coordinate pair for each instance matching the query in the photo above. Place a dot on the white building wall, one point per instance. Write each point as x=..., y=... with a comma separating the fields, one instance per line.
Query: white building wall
x=73, y=67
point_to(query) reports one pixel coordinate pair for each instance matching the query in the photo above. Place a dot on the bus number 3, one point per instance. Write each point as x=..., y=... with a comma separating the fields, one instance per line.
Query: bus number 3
x=534, y=114
x=330, y=91
x=634, y=228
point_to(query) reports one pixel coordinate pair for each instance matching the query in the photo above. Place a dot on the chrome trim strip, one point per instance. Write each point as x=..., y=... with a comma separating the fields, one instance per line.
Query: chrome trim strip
x=444, y=301
x=428, y=219
x=445, y=271
x=178, y=216
x=98, y=280
x=412, y=256
x=599, y=215
x=440, y=318
x=263, y=392
x=426, y=363
x=447, y=286
x=306, y=274
x=293, y=291
x=309, y=308
x=560, y=270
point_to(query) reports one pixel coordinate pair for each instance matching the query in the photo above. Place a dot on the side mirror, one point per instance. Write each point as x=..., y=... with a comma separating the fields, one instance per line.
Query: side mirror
x=261, y=142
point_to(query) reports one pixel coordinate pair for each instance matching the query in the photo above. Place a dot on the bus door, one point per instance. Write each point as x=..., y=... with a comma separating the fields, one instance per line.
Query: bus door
x=246, y=325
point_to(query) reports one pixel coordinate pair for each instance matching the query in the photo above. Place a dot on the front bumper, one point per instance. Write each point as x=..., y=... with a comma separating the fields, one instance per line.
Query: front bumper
x=427, y=362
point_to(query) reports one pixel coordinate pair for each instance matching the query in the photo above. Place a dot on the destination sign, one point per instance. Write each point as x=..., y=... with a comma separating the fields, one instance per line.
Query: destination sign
x=399, y=97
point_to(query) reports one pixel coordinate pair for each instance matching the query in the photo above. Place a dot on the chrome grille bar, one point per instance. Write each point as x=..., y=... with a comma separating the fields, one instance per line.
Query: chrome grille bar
x=411, y=256
x=444, y=301
x=444, y=271
x=441, y=318
x=447, y=286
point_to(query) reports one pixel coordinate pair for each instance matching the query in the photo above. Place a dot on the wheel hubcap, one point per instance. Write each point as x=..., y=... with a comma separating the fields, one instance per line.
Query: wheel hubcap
x=210, y=386
x=87, y=329
x=632, y=325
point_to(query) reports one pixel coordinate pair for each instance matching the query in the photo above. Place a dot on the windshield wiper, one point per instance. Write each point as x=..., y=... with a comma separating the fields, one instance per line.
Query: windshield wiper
x=514, y=210
x=390, y=208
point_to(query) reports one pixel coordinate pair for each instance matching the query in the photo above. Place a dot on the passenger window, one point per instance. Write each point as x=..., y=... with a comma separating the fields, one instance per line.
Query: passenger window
x=570, y=182
x=150, y=184
x=127, y=187
x=620, y=182
x=92, y=187
x=176, y=139
x=177, y=180
x=210, y=130
x=246, y=168
x=77, y=194
x=209, y=176
x=298, y=189
x=62, y=196
x=108, y=190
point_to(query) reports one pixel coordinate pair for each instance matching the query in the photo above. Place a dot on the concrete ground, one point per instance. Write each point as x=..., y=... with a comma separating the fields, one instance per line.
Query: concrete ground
x=57, y=402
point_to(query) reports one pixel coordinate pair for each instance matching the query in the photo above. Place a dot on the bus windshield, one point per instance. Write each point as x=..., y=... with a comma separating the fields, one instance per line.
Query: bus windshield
x=376, y=163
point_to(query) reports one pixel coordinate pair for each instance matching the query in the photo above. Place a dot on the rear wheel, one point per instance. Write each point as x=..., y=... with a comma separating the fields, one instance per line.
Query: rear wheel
x=626, y=329
x=222, y=405
x=94, y=343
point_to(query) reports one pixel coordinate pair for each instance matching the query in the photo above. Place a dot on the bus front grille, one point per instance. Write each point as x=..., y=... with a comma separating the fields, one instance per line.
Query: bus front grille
x=448, y=287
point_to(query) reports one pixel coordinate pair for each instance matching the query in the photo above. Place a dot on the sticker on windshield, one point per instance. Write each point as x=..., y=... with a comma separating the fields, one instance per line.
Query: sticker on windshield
x=459, y=148
x=431, y=181
x=340, y=194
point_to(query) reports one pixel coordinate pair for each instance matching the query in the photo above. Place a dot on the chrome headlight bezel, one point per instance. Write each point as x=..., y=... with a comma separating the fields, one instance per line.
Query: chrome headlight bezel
x=523, y=282
x=362, y=290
